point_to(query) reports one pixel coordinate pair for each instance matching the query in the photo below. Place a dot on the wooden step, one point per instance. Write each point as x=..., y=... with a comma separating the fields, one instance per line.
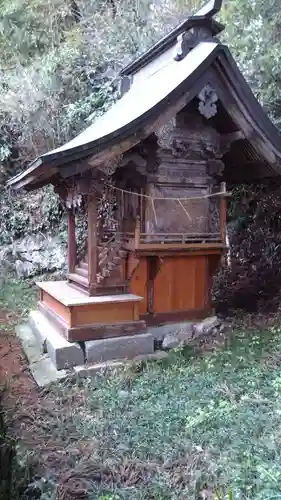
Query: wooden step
x=81, y=280
x=113, y=289
x=84, y=265
x=81, y=271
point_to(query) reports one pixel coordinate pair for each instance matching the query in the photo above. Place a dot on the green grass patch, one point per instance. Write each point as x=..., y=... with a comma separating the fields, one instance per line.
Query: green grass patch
x=186, y=428
x=17, y=295
x=195, y=426
x=17, y=298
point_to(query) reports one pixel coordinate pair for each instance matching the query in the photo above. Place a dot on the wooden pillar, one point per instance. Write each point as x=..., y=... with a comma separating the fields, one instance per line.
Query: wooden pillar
x=223, y=212
x=137, y=233
x=148, y=211
x=92, y=243
x=71, y=247
x=223, y=219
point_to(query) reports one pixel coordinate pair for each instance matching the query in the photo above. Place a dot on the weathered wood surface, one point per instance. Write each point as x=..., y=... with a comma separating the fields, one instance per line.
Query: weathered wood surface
x=91, y=331
x=68, y=296
x=71, y=241
x=92, y=243
x=179, y=282
x=223, y=214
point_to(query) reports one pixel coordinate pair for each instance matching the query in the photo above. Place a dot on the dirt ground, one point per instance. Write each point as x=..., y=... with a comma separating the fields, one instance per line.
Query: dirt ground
x=31, y=416
x=14, y=373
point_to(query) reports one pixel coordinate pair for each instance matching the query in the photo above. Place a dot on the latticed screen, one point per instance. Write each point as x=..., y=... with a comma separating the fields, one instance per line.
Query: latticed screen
x=187, y=211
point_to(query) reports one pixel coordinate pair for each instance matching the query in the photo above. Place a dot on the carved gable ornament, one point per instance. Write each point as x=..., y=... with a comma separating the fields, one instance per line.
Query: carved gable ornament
x=207, y=102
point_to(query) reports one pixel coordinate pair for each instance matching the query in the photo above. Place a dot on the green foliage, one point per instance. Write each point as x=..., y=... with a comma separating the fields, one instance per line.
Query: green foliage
x=27, y=214
x=252, y=281
x=56, y=70
x=188, y=427
x=57, y=74
x=253, y=34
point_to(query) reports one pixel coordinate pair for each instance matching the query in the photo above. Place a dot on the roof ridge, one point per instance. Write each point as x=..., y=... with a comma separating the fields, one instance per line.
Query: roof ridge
x=203, y=16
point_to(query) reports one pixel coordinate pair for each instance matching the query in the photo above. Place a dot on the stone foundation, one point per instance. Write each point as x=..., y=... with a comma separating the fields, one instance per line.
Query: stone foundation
x=65, y=355
x=52, y=357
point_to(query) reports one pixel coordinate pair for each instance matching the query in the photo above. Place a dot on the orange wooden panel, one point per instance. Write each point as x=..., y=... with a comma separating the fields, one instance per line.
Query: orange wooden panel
x=139, y=284
x=201, y=297
x=164, y=287
x=56, y=306
x=108, y=313
x=180, y=284
x=184, y=283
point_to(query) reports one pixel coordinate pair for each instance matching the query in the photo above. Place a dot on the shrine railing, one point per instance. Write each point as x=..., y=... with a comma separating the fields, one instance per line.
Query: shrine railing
x=179, y=238
x=137, y=238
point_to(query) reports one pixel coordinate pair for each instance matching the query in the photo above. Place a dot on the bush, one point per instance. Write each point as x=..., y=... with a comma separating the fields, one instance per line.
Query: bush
x=253, y=282
x=25, y=214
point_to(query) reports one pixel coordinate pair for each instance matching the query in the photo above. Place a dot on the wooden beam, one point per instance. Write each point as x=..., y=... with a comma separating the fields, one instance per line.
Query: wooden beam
x=233, y=136
x=92, y=243
x=71, y=240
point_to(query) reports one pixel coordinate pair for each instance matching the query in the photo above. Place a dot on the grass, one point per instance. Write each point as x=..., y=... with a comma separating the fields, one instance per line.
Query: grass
x=197, y=425
x=188, y=428
x=17, y=295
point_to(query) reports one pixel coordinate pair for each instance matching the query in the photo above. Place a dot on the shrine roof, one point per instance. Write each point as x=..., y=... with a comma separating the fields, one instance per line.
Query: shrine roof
x=154, y=97
x=203, y=17
x=127, y=116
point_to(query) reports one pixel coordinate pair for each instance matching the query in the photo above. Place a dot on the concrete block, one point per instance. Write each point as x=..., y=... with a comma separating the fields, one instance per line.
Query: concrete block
x=44, y=372
x=31, y=348
x=119, y=348
x=38, y=334
x=63, y=354
x=155, y=356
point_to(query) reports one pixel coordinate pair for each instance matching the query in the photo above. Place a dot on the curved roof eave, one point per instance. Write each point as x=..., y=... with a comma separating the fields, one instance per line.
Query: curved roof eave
x=128, y=115
x=246, y=111
x=144, y=103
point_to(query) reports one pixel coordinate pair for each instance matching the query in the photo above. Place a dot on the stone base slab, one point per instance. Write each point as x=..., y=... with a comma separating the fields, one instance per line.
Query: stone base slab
x=63, y=354
x=45, y=372
x=129, y=347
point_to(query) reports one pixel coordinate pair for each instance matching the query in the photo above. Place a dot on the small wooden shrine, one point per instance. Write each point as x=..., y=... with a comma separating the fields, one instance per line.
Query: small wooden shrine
x=147, y=182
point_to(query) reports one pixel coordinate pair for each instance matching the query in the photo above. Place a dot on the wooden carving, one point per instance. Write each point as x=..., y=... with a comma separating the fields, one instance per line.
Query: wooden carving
x=186, y=41
x=109, y=167
x=186, y=147
x=61, y=190
x=215, y=168
x=132, y=264
x=207, y=102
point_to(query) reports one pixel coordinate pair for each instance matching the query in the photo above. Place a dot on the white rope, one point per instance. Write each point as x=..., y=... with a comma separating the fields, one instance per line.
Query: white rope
x=156, y=198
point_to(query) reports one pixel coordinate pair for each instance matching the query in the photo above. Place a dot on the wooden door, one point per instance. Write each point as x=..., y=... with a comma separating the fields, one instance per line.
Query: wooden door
x=180, y=284
x=139, y=284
